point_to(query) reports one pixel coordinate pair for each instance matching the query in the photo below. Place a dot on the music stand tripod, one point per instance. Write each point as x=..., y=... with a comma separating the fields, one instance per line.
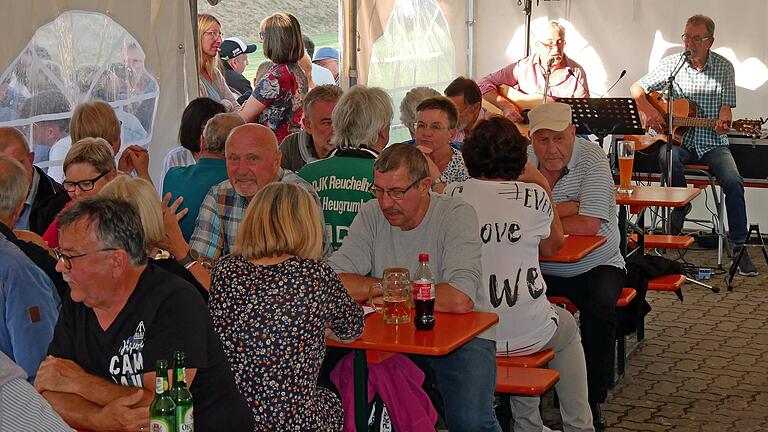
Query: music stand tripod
x=753, y=227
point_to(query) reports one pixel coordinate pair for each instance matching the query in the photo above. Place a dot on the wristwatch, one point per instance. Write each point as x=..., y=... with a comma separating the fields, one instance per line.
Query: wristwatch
x=189, y=258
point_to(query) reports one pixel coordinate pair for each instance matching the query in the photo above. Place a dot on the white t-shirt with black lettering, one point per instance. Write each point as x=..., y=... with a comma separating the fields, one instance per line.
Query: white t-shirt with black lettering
x=514, y=217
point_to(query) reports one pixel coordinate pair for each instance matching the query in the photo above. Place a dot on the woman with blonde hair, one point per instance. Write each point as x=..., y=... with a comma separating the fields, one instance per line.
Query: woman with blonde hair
x=88, y=167
x=211, y=82
x=278, y=96
x=143, y=196
x=276, y=284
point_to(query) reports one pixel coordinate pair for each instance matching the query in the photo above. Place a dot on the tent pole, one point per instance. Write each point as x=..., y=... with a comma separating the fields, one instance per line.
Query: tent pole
x=527, y=6
x=353, y=39
x=470, y=38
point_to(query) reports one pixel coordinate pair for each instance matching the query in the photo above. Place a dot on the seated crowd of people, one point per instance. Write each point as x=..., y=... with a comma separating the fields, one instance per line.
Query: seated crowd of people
x=267, y=234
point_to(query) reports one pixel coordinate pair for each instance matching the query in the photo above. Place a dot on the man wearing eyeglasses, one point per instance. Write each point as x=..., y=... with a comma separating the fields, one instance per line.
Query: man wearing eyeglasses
x=526, y=77
x=708, y=80
x=122, y=316
x=406, y=219
x=28, y=300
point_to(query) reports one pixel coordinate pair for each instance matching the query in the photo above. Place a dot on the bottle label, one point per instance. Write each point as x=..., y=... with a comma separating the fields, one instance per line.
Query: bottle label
x=184, y=419
x=161, y=424
x=159, y=387
x=424, y=291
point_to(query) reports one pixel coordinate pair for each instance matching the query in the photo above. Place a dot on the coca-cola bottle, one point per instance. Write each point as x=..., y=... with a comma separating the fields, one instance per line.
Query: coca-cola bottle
x=424, y=295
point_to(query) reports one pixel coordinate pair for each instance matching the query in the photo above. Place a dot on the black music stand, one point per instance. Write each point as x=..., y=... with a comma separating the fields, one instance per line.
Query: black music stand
x=604, y=116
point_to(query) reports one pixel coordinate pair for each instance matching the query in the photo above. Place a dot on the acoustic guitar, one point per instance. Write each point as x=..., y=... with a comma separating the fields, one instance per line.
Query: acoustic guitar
x=683, y=117
x=524, y=104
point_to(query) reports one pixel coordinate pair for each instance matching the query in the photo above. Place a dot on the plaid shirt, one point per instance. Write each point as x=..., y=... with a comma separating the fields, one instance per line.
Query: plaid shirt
x=709, y=89
x=222, y=211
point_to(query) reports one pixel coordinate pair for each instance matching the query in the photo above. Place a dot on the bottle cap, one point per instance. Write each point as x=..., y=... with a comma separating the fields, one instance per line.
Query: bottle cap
x=423, y=257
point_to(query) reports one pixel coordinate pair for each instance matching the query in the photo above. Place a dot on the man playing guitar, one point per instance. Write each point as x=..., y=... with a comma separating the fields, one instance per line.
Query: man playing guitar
x=708, y=80
x=526, y=77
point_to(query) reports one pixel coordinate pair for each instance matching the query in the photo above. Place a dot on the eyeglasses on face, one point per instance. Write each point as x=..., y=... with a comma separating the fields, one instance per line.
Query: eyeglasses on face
x=694, y=39
x=214, y=34
x=434, y=127
x=395, y=194
x=551, y=44
x=84, y=185
x=67, y=259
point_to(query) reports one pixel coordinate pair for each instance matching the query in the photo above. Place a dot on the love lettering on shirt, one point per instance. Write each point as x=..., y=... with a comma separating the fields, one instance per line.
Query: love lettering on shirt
x=127, y=366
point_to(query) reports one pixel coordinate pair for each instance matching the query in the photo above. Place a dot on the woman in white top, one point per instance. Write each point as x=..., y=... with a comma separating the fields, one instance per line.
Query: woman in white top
x=211, y=82
x=518, y=222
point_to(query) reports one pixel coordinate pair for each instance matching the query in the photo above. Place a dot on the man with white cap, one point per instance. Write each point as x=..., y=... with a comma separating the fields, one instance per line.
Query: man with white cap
x=233, y=53
x=582, y=187
x=328, y=58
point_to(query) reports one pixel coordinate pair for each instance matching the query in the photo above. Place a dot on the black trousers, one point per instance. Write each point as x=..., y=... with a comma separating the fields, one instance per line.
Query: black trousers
x=595, y=294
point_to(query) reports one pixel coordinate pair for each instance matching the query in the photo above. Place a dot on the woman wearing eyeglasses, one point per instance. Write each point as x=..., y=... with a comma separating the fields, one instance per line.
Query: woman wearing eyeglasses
x=88, y=167
x=211, y=82
x=436, y=120
x=278, y=96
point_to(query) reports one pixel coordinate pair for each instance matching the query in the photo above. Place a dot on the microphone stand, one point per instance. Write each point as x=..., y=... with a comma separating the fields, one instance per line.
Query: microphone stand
x=547, y=74
x=668, y=89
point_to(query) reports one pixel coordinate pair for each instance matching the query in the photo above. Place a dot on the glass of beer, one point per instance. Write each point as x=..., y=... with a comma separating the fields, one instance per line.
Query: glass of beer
x=626, y=154
x=395, y=300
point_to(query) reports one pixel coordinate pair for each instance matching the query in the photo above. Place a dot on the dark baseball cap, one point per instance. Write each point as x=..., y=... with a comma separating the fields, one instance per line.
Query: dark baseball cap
x=233, y=47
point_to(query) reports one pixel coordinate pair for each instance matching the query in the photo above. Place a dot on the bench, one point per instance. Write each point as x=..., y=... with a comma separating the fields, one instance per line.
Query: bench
x=663, y=241
x=535, y=360
x=520, y=381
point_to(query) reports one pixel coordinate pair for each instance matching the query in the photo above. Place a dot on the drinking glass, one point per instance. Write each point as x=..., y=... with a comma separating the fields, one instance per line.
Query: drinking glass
x=626, y=153
x=396, y=300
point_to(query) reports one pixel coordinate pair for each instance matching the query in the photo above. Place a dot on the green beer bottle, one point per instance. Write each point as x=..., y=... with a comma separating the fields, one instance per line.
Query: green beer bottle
x=162, y=411
x=181, y=395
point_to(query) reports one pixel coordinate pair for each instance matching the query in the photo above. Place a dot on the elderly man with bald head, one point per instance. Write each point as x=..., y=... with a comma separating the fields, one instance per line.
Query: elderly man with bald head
x=45, y=197
x=253, y=161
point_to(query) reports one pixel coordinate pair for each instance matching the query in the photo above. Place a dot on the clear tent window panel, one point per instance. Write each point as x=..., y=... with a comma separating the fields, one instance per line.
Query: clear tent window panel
x=415, y=50
x=78, y=57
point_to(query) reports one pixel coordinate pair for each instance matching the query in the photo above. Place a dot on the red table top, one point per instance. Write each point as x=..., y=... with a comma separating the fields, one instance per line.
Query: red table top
x=450, y=332
x=644, y=196
x=575, y=248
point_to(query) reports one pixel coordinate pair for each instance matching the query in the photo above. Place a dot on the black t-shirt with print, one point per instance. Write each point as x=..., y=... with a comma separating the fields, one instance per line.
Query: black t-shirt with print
x=162, y=315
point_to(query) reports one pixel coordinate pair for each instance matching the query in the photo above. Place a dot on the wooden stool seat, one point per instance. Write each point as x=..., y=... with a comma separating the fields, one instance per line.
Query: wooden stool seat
x=535, y=360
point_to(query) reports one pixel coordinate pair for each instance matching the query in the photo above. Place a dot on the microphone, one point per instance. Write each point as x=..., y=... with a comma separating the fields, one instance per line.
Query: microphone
x=687, y=53
x=621, y=75
x=578, y=81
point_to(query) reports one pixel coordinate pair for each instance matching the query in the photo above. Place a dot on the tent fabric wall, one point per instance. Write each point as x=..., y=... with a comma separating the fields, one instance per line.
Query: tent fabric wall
x=372, y=18
x=162, y=27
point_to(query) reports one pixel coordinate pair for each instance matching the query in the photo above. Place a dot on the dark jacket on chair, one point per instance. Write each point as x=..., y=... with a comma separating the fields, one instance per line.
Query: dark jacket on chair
x=49, y=201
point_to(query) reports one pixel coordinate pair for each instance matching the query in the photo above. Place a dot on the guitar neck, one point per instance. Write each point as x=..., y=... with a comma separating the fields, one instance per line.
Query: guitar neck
x=694, y=122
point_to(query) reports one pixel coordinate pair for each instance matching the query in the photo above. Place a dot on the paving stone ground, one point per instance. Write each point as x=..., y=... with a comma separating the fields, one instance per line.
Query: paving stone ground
x=704, y=363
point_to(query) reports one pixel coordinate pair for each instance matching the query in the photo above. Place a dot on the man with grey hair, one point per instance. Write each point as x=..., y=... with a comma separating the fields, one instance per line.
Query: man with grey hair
x=408, y=106
x=122, y=316
x=406, y=220
x=253, y=161
x=343, y=179
x=29, y=303
x=526, y=77
x=193, y=182
x=45, y=197
x=313, y=141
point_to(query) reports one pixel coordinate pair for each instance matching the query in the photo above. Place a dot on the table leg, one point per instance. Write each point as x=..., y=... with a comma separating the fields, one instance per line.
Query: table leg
x=361, y=390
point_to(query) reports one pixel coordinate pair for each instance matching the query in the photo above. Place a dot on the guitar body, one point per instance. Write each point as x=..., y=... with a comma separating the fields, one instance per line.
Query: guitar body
x=524, y=104
x=680, y=108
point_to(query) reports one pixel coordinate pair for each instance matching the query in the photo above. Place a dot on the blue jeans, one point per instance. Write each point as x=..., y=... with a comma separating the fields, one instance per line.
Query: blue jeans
x=466, y=379
x=723, y=167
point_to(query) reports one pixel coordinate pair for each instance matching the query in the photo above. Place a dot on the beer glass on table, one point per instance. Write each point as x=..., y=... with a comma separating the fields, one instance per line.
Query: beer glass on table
x=626, y=156
x=396, y=298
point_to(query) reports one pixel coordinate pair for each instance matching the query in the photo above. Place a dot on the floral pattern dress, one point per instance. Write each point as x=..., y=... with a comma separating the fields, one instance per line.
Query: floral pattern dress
x=282, y=91
x=271, y=320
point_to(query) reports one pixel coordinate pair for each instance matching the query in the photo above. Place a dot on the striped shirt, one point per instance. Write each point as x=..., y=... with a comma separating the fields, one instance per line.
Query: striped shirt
x=222, y=211
x=588, y=180
x=710, y=88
